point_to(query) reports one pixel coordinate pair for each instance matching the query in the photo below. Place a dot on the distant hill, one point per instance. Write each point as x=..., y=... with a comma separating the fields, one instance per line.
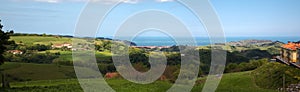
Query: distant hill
x=53, y=39
x=249, y=42
x=275, y=43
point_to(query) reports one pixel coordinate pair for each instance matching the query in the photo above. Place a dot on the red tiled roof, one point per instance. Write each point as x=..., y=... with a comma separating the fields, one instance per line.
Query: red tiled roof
x=292, y=46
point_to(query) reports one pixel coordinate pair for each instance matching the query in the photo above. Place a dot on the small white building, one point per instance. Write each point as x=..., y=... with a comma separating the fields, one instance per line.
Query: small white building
x=68, y=45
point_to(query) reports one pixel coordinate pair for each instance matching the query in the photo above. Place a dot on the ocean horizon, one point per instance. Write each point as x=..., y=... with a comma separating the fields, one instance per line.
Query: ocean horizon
x=201, y=41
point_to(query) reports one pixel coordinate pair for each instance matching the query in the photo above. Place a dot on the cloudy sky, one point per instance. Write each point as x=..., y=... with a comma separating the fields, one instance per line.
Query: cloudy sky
x=238, y=17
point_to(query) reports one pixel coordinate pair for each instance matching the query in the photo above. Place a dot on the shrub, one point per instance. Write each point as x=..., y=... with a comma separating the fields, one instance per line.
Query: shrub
x=253, y=64
x=274, y=74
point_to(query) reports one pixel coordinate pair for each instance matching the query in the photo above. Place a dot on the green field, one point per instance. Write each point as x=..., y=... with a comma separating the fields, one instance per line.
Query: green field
x=29, y=72
x=53, y=78
x=39, y=40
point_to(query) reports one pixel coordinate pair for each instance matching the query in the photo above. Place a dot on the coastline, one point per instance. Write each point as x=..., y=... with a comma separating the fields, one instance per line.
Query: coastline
x=203, y=41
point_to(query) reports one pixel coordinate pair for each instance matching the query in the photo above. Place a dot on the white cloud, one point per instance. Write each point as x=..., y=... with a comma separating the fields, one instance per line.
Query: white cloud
x=49, y=1
x=165, y=0
x=131, y=1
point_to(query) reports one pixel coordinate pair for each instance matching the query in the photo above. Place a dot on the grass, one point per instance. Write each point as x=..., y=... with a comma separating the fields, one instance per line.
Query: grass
x=119, y=85
x=54, y=80
x=235, y=82
x=67, y=56
x=27, y=40
x=29, y=71
x=240, y=82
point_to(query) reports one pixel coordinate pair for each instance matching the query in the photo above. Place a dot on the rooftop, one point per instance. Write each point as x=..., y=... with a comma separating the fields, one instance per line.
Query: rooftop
x=292, y=45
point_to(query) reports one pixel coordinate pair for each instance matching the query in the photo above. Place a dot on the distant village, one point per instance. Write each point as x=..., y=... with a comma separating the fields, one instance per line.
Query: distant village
x=54, y=46
x=249, y=42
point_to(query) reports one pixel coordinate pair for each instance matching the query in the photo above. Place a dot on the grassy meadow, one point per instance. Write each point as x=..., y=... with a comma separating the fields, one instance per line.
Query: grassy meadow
x=55, y=78
x=39, y=40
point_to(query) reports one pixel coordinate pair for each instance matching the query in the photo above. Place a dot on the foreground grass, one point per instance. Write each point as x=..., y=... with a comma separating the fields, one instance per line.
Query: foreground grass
x=31, y=72
x=233, y=82
x=240, y=82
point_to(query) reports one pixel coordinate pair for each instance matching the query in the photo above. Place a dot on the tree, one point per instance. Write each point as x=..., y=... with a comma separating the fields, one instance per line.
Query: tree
x=4, y=41
x=138, y=55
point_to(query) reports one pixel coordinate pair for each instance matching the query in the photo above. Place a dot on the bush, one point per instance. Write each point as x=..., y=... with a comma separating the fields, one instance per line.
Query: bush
x=105, y=68
x=171, y=73
x=253, y=64
x=271, y=75
x=31, y=58
x=38, y=47
x=61, y=61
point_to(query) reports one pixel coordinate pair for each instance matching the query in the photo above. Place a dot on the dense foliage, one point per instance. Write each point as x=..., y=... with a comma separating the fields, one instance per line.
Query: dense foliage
x=275, y=75
x=245, y=66
x=4, y=41
x=30, y=57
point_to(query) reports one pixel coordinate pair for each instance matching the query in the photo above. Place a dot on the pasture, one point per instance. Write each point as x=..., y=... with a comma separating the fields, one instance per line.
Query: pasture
x=53, y=78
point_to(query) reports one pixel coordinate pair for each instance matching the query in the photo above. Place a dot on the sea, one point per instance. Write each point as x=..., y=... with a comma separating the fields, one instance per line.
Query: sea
x=200, y=41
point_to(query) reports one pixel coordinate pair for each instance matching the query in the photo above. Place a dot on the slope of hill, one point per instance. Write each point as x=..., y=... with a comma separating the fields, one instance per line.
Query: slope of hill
x=29, y=72
x=232, y=82
x=275, y=75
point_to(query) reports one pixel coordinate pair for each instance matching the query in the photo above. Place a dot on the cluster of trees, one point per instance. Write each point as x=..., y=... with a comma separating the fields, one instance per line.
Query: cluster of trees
x=245, y=66
x=24, y=34
x=236, y=61
x=104, y=46
x=31, y=57
x=34, y=47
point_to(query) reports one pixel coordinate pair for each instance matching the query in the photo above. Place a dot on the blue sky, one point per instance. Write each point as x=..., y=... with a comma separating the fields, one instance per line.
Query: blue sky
x=238, y=17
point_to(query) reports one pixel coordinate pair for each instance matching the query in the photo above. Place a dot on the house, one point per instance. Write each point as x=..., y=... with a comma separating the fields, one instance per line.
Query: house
x=68, y=45
x=112, y=75
x=15, y=52
x=290, y=54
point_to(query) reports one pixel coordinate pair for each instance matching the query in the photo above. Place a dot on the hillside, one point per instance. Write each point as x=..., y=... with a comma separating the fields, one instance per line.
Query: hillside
x=253, y=42
x=46, y=40
x=31, y=72
x=274, y=75
x=233, y=82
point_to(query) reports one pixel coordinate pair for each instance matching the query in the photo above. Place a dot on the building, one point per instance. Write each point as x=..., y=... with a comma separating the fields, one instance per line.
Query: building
x=290, y=54
x=298, y=56
x=68, y=45
x=15, y=52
